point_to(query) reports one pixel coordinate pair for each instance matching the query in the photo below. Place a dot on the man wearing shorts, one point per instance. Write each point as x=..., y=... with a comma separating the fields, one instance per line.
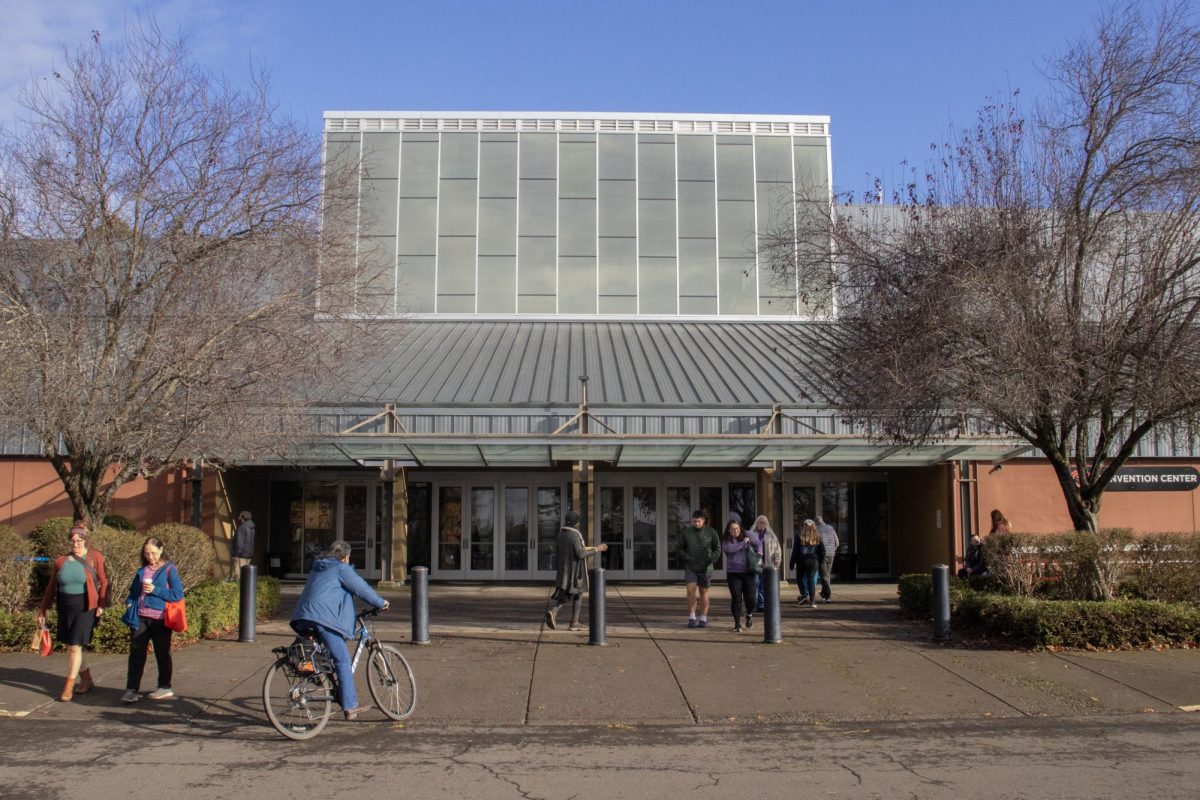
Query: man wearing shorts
x=699, y=549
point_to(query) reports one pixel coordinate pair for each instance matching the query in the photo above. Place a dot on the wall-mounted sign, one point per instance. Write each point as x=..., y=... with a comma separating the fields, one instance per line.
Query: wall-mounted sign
x=1155, y=479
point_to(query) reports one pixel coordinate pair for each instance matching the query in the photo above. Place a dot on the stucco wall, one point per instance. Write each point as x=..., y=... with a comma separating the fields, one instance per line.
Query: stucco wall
x=1028, y=494
x=30, y=491
x=921, y=521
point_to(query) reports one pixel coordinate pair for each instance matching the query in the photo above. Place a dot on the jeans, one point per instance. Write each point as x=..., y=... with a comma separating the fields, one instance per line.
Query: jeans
x=150, y=630
x=741, y=594
x=336, y=645
x=761, y=597
x=808, y=582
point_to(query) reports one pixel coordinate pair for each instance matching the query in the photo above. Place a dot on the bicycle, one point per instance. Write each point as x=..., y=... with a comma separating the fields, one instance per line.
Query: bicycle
x=300, y=687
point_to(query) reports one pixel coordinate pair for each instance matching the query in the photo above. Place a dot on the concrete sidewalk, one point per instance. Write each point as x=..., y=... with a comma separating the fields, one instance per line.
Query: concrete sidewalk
x=491, y=663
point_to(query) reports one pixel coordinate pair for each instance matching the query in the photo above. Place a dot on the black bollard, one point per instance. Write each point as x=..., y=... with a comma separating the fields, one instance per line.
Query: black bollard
x=596, y=608
x=420, y=605
x=247, y=602
x=772, y=626
x=941, y=602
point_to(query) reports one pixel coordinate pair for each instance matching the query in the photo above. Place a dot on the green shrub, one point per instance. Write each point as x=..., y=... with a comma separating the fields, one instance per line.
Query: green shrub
x=916, y=592
x=1165, y=567
x=120, y=523
x=16, y=567
x=122, y=552
x=1082, y=624
x=189, y=548
x=1012, y=561
x=50, y=537
x=212, y=608
x=1092, y=565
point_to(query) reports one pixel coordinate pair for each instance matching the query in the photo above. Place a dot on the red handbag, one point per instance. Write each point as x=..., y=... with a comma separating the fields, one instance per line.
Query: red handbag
x=175, y=616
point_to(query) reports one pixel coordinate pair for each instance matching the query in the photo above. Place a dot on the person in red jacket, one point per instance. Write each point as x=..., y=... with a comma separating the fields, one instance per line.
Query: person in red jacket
x=79, y=588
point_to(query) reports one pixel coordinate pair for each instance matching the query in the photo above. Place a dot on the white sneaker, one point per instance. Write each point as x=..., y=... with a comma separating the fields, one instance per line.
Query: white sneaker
x=162, y=693
x=130, y=696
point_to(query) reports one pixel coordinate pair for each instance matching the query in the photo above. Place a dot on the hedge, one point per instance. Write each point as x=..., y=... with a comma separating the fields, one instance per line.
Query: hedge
x=1077, y=624
x=212, y=608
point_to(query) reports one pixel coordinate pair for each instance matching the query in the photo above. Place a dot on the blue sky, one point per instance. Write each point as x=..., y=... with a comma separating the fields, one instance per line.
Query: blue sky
x=892, y=75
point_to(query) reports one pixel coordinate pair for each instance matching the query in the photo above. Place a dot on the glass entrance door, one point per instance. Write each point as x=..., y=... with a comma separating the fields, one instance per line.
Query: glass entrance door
x=549, y=510
x=630, y=520
x=481, y=541
x=358, y=530
x=518, y=540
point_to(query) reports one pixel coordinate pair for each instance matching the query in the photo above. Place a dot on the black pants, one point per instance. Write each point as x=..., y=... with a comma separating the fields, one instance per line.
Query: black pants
x=151, y=630
x=576, y=605
x=742, y=588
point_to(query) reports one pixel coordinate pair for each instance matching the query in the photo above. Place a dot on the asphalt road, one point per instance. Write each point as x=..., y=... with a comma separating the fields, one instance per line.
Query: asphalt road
x=156, y=754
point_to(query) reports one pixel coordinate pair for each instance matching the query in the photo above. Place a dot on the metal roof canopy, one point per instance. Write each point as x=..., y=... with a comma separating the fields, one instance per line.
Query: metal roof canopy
x=645, y=451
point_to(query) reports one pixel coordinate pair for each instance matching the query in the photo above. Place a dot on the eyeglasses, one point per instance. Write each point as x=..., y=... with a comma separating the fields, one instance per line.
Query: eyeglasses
x=77, y=539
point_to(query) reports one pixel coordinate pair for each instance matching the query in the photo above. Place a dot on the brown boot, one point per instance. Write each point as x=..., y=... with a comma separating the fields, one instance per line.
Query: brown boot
x=85, y=682
x=68, y=691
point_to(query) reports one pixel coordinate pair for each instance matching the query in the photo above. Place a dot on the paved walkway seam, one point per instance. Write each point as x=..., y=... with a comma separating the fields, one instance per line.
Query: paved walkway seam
x=658, y=647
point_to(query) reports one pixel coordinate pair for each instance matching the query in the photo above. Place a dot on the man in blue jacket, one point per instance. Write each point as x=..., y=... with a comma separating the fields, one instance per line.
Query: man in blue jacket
x=326, y=606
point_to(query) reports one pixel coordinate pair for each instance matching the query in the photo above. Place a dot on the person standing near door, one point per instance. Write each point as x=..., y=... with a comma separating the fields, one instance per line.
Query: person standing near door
x=572, y=577
x=243, y=543
x=698, y=549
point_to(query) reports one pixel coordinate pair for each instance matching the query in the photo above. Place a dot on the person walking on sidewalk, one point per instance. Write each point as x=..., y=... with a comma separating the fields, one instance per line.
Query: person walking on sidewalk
x=806, y=559
x=829, y=539
x=326, y=610
x=738, y=574
x=698, y=549
x=243, y=543
x=154, y=585
x=772, y=553
x=79, y=589
x=764, y=538
x=572, y=577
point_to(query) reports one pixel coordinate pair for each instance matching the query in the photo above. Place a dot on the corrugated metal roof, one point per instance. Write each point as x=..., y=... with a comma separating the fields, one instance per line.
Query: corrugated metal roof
x=491, y=363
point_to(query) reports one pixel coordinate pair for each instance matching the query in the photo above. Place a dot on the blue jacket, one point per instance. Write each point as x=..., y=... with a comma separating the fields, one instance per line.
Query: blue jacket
x=167, y=587
x=328, y=596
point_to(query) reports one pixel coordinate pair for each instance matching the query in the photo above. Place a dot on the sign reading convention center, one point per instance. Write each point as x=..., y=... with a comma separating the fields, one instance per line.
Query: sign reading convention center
x=1155, y=479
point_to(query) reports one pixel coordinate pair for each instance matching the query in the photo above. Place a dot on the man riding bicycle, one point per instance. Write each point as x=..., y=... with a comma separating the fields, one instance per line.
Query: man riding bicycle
x=326, y=610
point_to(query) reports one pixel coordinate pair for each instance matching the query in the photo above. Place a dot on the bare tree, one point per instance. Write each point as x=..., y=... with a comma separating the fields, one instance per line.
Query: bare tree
x=160, y=265
x=1041, y=278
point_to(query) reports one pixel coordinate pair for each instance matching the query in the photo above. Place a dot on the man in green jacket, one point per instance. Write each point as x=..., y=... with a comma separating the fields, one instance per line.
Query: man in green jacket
x=699, y=548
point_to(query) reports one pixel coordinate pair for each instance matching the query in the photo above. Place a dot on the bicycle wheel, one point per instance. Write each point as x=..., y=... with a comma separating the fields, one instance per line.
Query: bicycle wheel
x=391, y=682
x=297, y=705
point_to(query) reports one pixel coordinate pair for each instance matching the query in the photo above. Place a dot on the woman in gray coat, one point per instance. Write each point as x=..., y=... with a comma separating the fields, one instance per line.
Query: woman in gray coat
x=572, y=578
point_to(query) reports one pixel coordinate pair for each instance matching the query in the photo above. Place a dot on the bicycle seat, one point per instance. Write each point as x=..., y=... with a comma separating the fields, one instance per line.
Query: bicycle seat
x=304, y=628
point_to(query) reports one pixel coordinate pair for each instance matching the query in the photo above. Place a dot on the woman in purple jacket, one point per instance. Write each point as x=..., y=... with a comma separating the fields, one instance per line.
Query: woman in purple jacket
x=738, y=575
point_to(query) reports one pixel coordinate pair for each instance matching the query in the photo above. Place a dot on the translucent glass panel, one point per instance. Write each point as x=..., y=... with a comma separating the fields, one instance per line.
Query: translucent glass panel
x=574, y=223
x=577, y=229
x=516, y=529
x=645, y=528
x=416, y=241
x=738, y=278
x=697, y=225
x=537, y=223
x=679, y=519
x=617, y=232
x=458, y=191
x=483, y=529
x=497, y=266
x=549, y=521
x=612, y=527
x=775, y=201
x=449, y=545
